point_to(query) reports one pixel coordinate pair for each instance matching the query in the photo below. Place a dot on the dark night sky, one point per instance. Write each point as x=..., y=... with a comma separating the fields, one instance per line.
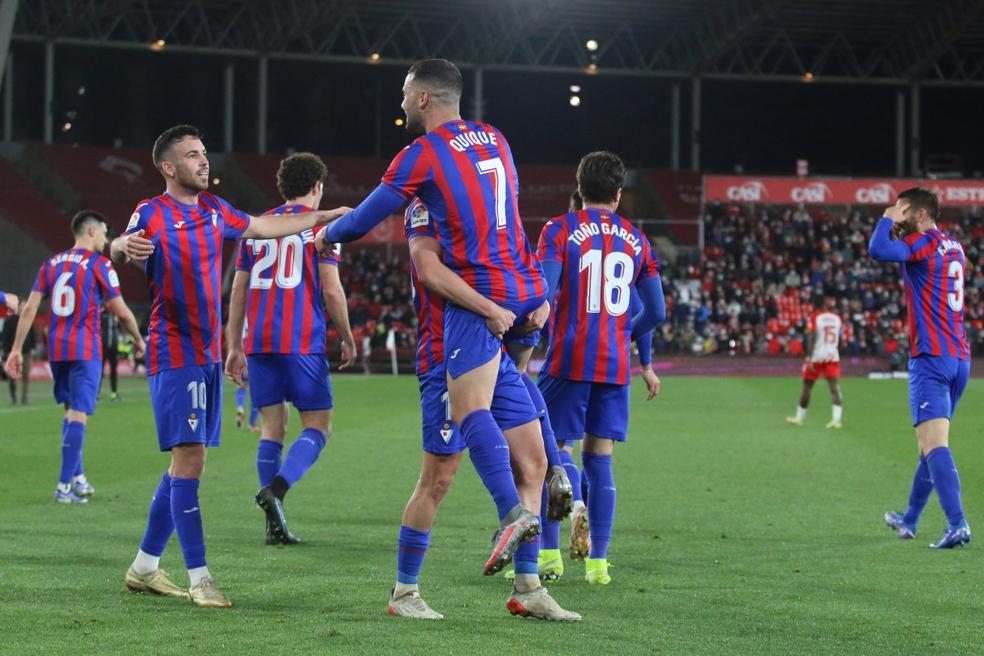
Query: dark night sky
x=331, y=109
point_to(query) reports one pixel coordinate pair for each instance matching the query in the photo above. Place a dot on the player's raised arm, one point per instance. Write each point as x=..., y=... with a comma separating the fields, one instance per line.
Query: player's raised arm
x=122, y=312
x=282, y=225
x=381, y=203
x=336, y=305
x=15, y=360
x=435, y=276
x=881, y=246
x=236, y=359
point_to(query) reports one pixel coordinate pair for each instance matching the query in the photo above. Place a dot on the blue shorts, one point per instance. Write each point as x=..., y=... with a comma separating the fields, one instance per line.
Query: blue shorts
x=301, y=379
x=577, y=407
x=511, y=407
x=187, y=405
x=935, y=386
x=468, y=343
x=77, y=383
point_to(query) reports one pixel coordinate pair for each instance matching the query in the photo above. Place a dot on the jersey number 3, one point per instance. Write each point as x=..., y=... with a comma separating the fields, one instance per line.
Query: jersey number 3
x=955, y=299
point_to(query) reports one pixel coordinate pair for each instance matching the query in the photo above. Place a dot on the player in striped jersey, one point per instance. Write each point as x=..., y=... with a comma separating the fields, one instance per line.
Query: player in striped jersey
x=285, y=287
x=8, y=303
x=443, y=441
x=178, y=236
x=464, y=172
x=79, y=282
x=822, y=359
x=592, y=260
x=933, y=274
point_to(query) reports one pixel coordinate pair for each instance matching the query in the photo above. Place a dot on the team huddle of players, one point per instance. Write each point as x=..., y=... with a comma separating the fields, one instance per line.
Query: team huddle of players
x=483, y=299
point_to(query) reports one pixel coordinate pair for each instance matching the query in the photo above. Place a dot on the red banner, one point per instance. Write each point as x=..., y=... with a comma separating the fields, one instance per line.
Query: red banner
x=836, y=191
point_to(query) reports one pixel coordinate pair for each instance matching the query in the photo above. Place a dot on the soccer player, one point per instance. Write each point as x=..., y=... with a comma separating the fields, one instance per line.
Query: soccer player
x=822, y=359
x=933, y=274
x=27, y=351
x=254, y=412
x=592, y=260
x=443, y=442
x=178, y=235
x=78, y=281
x=111, y=353
x=9, y=302
x=464, y=172
x=285, y=287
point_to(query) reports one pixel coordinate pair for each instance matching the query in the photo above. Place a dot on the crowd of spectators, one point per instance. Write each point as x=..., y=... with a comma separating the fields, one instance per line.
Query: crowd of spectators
x=762, y=266
x=379, y=299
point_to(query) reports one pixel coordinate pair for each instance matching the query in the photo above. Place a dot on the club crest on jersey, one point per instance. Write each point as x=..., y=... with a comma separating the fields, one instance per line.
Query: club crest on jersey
x=215, y=218
x=419, y=216
x=446, y=433
x=193, y=421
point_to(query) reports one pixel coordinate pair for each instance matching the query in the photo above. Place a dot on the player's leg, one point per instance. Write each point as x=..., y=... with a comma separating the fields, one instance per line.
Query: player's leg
x=809, y=378
x=114, y=362
x=269, y=450
x=837, y=402
x=26, y=376
x=436, y=474
x=77, y=387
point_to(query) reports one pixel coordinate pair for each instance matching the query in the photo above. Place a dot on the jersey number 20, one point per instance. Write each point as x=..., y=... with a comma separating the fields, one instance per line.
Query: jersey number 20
x=288, y=258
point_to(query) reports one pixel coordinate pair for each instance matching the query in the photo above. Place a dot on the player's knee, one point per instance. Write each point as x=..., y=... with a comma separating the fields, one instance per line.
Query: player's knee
x=438, y=486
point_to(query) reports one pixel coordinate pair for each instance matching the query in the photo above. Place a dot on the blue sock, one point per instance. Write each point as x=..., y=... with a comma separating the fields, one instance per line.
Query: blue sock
x=947, y=484
x=489, y=454
x=159, y=522
x=550, y=530
x=526, y=556
x=268, y=460
x=411, y=553
x=79, y=470
x=546, y=429
x=254, y=412
x=922, y=487
x=303, y=453
x=72, y=442
x=240, y=397
x=601, y=510
x=573, y=473
x=584, y=483
x=187, y=516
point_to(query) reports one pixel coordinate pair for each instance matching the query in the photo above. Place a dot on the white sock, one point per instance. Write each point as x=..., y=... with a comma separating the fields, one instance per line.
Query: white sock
x=80, y=479
x=838, y=412
x=401, y=589
x=64, y=487
x=196, y=575
x=800, y=413
x=527, y=582
x=144, y=563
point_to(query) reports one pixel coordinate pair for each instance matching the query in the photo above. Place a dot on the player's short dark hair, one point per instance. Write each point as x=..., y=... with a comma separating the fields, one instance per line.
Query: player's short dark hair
x=819, y=301
x=576, y=202
x=442, y=76
x=600, y=175
x=922, y=199
x=298, y=173
x=171, y=136
x=84, y=218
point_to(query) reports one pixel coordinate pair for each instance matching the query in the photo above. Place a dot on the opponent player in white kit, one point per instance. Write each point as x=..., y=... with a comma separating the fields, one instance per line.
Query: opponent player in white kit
x=822, y=359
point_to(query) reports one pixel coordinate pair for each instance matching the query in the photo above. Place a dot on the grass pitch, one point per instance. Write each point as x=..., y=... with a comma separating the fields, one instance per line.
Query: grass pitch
x=734, y=534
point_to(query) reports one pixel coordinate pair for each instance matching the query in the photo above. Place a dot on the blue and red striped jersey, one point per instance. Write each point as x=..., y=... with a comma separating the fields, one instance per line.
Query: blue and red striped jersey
x=429, y=306
x=601, y=256
x=464, y=173
x=934, y=292
x=78, y=281
x=184, y=277
x=284, y=309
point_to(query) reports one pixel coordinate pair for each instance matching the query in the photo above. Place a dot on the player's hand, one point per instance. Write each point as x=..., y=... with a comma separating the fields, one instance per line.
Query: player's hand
x=236, y=367
x=327, y=216
x=653, y=383
x=809, y=366
x=12, y=303
x=349, y=353
x=14, y=365
x=324, y=248
x=897, y=212
x=536, y=319
x=139, y=348
x=499, y=320
x=136, y=247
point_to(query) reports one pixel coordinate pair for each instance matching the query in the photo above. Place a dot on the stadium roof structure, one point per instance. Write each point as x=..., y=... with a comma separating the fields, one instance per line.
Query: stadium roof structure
x=864, y=41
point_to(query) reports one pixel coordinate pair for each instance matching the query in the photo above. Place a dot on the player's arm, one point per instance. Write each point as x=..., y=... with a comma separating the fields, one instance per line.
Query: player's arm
x=121, y=310
x=282, y=225
x=336, y=305
x=882, y=247
x=381, y=203
x=236, y=359
x=15, y=359
x=426, y=255
x=10, y=300
x=650, y=289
